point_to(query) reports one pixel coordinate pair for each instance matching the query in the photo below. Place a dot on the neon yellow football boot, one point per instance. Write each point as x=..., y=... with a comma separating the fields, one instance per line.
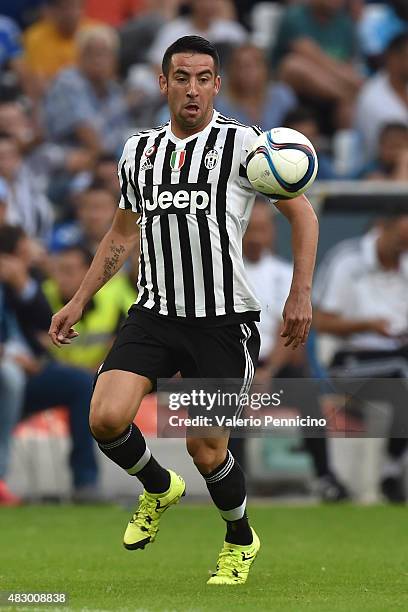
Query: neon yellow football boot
x=144, y=525
x=234, y=562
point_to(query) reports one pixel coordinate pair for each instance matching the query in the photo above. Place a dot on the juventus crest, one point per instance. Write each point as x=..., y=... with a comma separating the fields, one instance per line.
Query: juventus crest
x=211, y=159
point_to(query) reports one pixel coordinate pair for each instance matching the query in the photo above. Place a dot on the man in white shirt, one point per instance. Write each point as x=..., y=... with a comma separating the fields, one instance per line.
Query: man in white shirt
x=205, y=20
x=384, y=97
x=24, y=195
x=270, y=278
x=361, y=298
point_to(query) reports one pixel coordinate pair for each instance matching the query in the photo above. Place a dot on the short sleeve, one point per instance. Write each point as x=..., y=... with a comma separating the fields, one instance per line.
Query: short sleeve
x=250, y=138
x=251, y=135
x=130, y=196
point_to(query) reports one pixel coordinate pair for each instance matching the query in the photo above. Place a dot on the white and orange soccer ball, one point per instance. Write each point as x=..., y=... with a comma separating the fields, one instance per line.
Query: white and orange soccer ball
x=282, y=164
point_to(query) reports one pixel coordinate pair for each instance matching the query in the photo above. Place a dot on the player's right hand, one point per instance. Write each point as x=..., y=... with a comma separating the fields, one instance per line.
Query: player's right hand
x=61, y=330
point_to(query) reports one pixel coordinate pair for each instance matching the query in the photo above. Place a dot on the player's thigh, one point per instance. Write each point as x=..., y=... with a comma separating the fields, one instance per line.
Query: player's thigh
x=224, y=359
x=206, y=439
x=223, y=352
x=130, y=371
x=117, y=397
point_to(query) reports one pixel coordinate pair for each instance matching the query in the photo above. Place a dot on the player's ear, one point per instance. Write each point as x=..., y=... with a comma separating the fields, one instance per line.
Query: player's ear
x=163, y=84
x=217, y=84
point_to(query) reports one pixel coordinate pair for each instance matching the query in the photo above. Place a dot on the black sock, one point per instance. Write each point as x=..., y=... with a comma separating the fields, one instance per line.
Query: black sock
x=239, y=532
x=226, y=485
x=317, y=447
x=130, y=452
x=396, y=447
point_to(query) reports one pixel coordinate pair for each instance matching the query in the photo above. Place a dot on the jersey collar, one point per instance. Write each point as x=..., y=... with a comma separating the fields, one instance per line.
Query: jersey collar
x=183, y=141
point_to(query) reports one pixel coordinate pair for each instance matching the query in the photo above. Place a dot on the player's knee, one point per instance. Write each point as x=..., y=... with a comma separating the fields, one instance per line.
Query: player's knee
x=206, y=457
x=206, y=461
x=105, y=421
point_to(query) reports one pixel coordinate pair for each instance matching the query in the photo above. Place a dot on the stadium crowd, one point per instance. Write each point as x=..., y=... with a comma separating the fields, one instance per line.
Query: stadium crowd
x=77, y=77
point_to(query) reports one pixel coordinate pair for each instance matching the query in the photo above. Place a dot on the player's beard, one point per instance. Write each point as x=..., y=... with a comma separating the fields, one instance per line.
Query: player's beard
x=201, y=119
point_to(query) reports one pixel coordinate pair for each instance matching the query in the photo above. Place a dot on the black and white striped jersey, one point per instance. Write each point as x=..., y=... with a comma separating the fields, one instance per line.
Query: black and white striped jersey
x=194, y=202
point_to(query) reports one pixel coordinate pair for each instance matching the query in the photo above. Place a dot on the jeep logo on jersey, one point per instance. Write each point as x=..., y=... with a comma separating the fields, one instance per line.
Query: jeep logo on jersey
x=177, y=199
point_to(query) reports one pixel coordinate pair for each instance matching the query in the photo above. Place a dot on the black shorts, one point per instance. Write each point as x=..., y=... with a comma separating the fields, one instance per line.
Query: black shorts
x=154, y=347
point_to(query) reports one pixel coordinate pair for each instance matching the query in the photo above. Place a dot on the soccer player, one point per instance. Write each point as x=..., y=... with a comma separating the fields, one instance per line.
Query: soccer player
x=185, y=182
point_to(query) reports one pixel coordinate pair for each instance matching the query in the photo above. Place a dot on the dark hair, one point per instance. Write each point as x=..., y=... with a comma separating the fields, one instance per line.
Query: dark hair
x=394, y=126
x=6, y=136
x=53, y=2
x=299, y=114
x=397, y=44
x=400, y=7
x=104, y=158
x=79, y=248
x=10, y=236
x=246, y=46
x=190, y=44
x=97, y=184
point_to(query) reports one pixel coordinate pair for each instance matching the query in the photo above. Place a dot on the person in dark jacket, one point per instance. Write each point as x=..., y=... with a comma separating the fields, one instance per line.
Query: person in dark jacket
x=47, y=383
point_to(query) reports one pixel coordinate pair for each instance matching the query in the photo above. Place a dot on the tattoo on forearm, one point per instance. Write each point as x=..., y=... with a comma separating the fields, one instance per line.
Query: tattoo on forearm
x=111, y=263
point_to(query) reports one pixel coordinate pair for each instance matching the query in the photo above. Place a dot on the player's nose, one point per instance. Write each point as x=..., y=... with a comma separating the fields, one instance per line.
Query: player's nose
x=192, y=88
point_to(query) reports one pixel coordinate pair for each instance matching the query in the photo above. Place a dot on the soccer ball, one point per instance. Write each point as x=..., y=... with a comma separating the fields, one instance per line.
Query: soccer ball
x=282, y=164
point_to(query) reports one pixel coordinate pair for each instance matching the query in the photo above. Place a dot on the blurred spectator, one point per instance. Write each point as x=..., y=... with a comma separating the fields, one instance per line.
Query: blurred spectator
x=45, y=159
x=361, y=299
x=113, y=13
x=384, y=97
x=206, y=20
x=10, y=43
x=392, y=158
x=102, y=173
x=3, y=201
x=22, y=11
x=244, y=9
x=45, y=383
x=261, y=264
x=142, y=95
x=276, y=360
x=304, y=120
x=95, y=211
x=13, y=70
x=137, y=34
x=379, y=26
x=106, y=174
x=102, y=316
x=315, y=49
x=85, y=106
x=27, y=204
x=11, y=396
x=50, y=43
x=248, y=95
x=15, y=121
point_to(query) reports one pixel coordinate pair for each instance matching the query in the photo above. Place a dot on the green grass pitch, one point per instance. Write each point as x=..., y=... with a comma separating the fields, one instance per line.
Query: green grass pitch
x=316, y=558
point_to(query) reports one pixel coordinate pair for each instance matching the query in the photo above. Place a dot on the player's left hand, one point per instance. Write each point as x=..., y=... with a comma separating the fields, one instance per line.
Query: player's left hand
x=297, y=317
